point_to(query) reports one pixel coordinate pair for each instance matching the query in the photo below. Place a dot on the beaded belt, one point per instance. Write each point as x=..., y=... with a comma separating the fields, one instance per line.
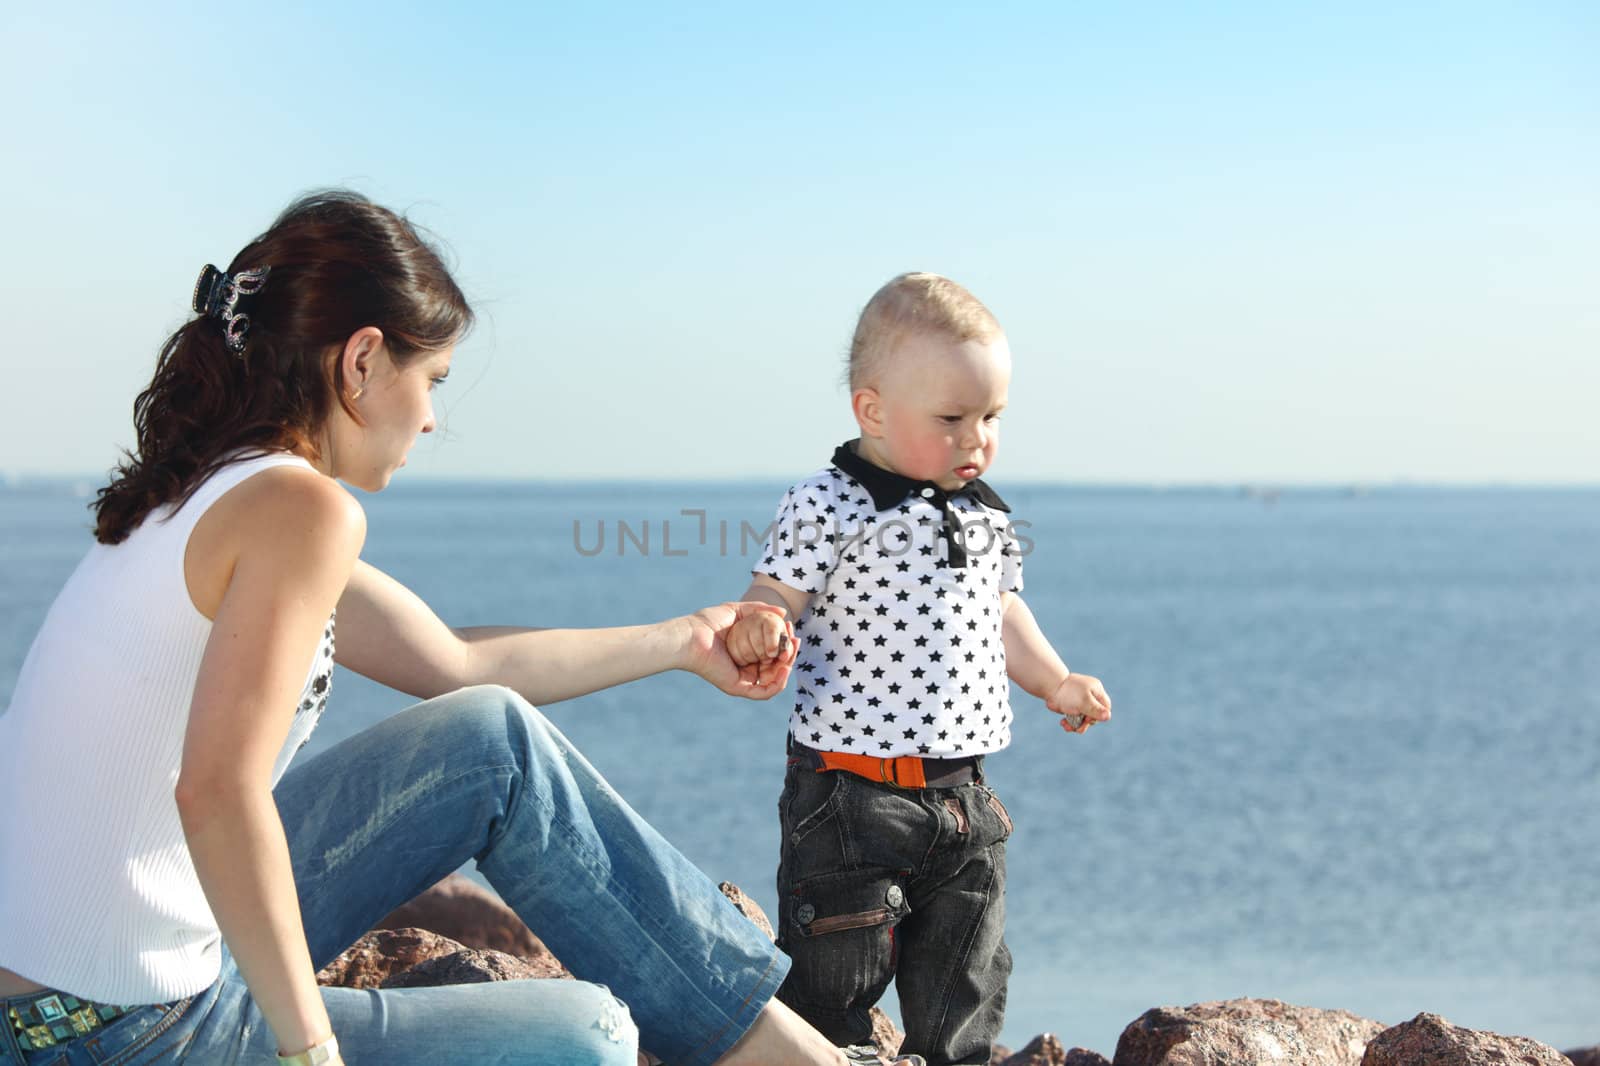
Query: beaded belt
x=45, y=1019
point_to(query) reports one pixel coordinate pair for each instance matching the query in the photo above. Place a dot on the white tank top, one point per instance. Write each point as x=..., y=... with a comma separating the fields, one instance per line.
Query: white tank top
x=98, y=895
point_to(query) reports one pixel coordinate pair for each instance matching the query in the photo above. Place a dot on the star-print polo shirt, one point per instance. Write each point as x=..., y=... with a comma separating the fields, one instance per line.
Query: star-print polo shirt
x=900, y=646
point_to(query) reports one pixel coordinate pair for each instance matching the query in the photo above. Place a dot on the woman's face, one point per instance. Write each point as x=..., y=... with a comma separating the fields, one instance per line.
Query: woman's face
x=396, y=403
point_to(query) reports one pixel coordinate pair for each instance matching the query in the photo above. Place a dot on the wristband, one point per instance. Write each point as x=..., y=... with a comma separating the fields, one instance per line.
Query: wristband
x=316, y=1055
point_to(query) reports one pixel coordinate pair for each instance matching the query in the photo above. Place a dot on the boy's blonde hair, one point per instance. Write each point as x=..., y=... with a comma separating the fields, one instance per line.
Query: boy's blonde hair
x=911, y=304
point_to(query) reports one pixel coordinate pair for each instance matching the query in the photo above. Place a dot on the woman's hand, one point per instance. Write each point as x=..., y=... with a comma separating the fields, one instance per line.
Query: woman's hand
x=707, y=650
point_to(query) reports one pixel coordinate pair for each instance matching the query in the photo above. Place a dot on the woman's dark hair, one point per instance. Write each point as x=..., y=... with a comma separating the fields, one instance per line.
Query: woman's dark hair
x=338, y=262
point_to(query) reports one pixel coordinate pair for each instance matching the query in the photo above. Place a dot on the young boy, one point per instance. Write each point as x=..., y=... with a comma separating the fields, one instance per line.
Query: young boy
x=900, y=571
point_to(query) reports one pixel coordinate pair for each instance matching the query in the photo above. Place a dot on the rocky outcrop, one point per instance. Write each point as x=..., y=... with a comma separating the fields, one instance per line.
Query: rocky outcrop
x=1429, y=1040
x=1080, y=1056
x=1046, y=1050
x=468, y=913
x=459, y=933
x=886, y=1036
x=381, y=954
x=748, y=907
x=1244, y=1032
x=474, y=965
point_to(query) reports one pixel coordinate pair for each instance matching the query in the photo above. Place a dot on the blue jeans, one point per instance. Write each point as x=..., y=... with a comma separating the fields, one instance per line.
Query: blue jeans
x=479, y=774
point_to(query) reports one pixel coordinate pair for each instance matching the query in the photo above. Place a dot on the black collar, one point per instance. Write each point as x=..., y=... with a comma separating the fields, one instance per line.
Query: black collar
x=888, y=488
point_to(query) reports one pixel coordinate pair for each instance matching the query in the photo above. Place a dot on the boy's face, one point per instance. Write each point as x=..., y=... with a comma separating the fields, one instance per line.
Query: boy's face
x=935, y=412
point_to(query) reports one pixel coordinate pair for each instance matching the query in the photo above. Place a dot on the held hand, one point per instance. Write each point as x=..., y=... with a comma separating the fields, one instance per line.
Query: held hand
x=1082, y=700
x=757, y=638
x=709, y=656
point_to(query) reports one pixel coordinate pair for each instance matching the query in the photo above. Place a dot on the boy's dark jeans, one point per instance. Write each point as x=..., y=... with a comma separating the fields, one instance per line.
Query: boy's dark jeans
x=876, y=882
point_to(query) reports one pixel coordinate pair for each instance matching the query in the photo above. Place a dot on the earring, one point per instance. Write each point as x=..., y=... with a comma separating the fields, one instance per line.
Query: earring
x=354, y=396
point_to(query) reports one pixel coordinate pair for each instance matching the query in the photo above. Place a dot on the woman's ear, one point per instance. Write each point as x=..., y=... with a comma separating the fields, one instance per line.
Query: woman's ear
x=868, y=411
x=360, y=358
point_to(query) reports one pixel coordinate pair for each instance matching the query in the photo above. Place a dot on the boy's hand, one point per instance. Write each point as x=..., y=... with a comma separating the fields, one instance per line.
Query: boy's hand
x=1082, y=700
x=758, y=639
x=710, y=650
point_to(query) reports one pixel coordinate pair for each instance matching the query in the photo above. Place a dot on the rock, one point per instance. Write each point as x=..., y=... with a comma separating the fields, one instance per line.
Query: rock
x=748, y=907
x=886, y=1036
x=1429, y=1040
x=1585, y=1056
x=380, y=954
x=1046, y=1050
x=472, y=966
x=410, y=958
x=1245, y=1032
x=468, y=913
x=1082, y=1056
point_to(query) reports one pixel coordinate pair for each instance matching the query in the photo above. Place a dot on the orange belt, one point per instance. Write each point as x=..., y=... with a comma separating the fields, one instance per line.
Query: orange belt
x=904, y=771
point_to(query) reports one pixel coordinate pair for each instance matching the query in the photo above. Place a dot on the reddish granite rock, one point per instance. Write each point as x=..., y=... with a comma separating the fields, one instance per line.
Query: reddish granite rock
x=1082, y=1056
x=468, y=913
x=473, y=966
x=748, y=907
x=1429, y=1040
x=382, y=953
x=1584, y=1056
x=458, y=933
x=1244, y=1032
x=1046, y=1050
x=886, y=1036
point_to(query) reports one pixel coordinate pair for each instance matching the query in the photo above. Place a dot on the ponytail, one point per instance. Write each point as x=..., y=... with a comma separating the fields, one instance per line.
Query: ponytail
x=331, y=264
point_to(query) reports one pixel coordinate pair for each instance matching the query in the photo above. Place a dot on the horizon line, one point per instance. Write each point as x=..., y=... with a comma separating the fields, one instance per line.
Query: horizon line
x=15, y=478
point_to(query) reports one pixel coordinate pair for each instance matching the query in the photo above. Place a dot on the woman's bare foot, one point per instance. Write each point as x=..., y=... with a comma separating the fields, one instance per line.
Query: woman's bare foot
x=780, y=1037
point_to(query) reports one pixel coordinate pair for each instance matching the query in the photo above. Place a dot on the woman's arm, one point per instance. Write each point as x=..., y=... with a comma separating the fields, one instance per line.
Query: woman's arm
x=387, y=633
x=294, y=557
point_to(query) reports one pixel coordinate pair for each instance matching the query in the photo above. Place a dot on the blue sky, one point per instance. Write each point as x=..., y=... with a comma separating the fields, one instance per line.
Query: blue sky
x=1230, y=242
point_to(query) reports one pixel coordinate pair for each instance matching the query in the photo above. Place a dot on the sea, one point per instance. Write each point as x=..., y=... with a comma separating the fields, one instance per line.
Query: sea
x=1354, y=760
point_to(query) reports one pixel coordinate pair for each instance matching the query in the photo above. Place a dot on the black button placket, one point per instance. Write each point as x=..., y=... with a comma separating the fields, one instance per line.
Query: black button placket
x=953, y=531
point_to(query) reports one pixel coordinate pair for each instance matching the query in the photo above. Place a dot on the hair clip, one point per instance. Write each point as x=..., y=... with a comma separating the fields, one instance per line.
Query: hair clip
x=216, y=295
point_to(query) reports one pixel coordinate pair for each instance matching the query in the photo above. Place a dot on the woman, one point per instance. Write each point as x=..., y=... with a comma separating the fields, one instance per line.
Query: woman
x=168, y=891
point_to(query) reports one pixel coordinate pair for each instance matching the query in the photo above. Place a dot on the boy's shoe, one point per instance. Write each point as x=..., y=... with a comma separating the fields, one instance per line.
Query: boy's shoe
x=867, y=1055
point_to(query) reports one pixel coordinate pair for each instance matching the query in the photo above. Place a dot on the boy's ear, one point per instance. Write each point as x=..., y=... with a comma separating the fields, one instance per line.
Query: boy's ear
x=868, y=411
